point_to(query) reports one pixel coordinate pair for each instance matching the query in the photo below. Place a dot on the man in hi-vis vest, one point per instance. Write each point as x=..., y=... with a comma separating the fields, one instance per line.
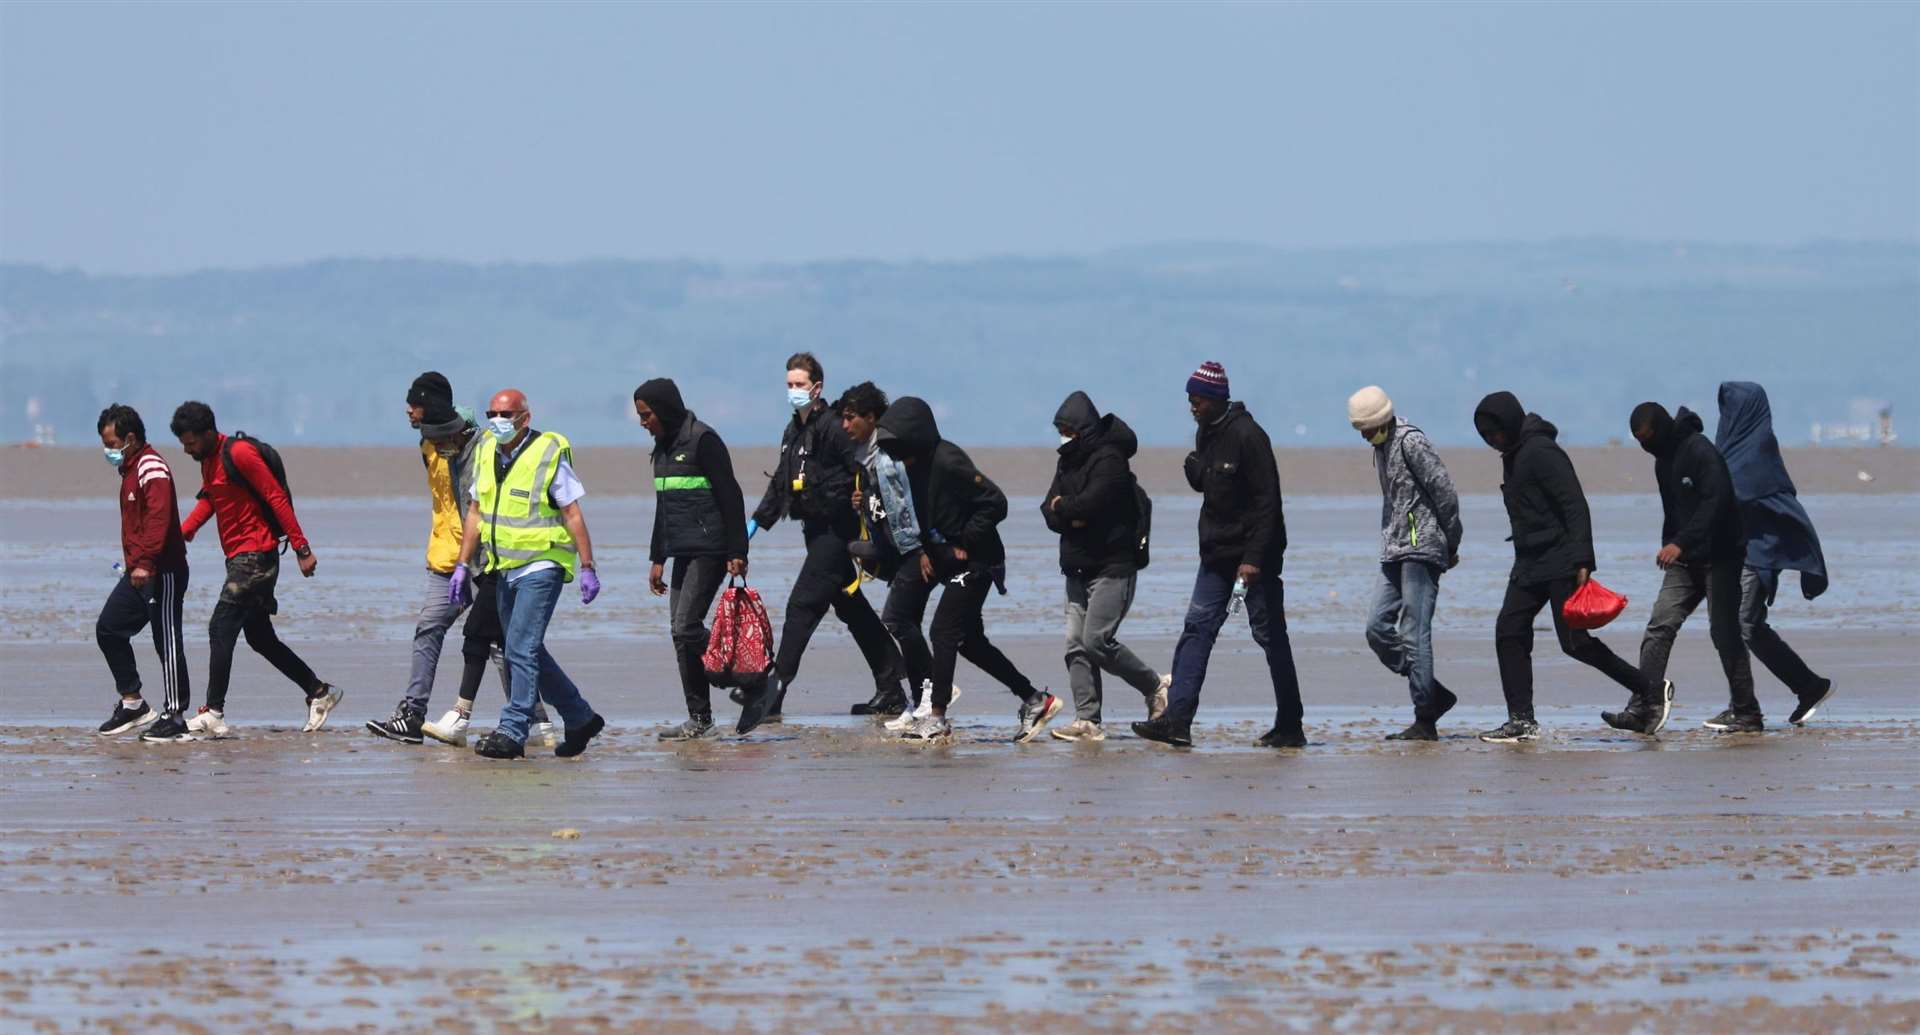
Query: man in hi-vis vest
x=524, y=522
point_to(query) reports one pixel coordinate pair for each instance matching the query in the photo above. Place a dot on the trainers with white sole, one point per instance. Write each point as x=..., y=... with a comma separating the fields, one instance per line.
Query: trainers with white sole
x=1080, y=729
x=1157, y=701
x=925, y=707
x=933, y=727
x=209, y=724
x=450, y=728
x=321, y=705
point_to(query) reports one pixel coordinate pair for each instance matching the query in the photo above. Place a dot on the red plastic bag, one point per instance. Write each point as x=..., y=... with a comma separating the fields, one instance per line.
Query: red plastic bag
x=739, y=650
x=1593, y=605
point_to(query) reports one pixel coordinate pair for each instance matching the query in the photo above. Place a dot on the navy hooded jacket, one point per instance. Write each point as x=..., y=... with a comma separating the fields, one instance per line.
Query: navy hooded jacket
x=1780, y=536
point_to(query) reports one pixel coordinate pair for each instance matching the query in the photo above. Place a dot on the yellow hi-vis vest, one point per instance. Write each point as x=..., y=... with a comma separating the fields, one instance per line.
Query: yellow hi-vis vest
x=518, y=521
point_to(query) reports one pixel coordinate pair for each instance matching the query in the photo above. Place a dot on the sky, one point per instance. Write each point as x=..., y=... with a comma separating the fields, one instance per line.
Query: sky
x=160, y=138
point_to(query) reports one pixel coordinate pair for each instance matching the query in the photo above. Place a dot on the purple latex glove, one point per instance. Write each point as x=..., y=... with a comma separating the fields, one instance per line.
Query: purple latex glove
x=589, y=585
x=458, y=586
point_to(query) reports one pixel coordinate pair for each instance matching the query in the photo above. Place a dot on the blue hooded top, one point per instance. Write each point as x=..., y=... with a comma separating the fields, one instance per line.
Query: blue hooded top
x=1780, y=536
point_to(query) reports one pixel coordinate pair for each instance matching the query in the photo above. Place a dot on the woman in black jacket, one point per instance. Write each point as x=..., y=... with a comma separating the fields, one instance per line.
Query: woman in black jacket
x=1552, y=557
x=960, y=510
x=1093, y=506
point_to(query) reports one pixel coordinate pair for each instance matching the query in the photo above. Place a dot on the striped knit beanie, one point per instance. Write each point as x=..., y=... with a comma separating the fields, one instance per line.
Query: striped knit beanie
x=1210, y=381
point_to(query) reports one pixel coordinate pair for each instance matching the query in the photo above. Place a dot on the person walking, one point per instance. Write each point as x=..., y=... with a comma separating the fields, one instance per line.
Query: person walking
x=1420, y=534
x=1552, y=556
x=152, y=585
x=1780, y=537
x=960, y=510
x=448, y=440
x=700, y=524
x=1093, y=506
x=524, y=512
x=1243, y=543
x=884, y=501
x=812, y=482
x=244, y=493
x=1703, y=553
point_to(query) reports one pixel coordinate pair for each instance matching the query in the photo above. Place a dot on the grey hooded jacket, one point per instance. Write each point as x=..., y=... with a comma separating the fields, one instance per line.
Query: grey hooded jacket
x=1419, y=511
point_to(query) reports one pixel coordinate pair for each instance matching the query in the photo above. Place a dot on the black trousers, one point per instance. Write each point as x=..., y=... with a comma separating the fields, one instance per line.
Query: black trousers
x=246, y=607
x=821, y=586
x=905, y=610
x=127, y=611
x=483, y=641
x=691, y=587
x=1513, y=643
x=960, y=631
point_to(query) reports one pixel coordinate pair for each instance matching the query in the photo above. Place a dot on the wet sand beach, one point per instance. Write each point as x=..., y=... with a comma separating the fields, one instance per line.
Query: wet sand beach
x=819, y=876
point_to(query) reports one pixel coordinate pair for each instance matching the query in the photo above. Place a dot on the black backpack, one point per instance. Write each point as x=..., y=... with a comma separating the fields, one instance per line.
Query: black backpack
x=1142, y=527
x=271, y=457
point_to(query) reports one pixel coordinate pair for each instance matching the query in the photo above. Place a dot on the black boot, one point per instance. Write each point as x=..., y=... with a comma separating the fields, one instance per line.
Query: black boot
x=1165, y=731
x=886, y=702
x=759, y=701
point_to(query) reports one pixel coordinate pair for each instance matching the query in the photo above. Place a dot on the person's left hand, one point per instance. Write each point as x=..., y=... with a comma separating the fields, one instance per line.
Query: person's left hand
x=1247, y=573
x=138, y=577
x=960, y=555
x=1668, y=556
x=309, y=564
x=737, y=567
x=589, y=585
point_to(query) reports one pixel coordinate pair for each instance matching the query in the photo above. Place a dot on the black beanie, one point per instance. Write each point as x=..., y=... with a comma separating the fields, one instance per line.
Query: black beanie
x=430, y=387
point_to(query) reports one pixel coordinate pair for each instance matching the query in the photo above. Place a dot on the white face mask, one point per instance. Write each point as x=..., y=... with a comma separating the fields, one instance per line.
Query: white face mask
x=502, y=428
x=799, y=398
x=1064, y=439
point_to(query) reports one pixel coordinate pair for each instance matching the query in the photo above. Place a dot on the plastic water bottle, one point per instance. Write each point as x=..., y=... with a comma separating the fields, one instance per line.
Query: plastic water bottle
x=119, y=569
x=1239, y=599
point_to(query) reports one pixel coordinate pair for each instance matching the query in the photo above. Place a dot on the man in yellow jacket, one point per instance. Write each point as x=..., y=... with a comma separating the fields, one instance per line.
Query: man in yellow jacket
x=524, y=523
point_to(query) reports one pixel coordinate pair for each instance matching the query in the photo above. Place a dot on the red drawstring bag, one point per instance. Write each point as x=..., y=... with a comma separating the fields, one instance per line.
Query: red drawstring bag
x=1593, y=605
x=739, y=650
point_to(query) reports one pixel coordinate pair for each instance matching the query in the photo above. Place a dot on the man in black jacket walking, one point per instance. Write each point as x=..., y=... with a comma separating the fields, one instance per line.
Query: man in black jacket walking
x=1093, y=506
x=960, y=510
x=1552, y=557
x=813, y=481
x=699, y=520
x=1243, y=539
x=1703, y=553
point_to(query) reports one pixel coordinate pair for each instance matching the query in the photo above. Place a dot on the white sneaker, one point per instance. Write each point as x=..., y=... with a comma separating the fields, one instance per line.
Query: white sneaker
x=318, y=708
x=925, y=708
x=450, y=728
x=209, y=724
x=1080, y=729
x=1157, y=701
x=900, y=723
x=542, y=734
x=930, y=728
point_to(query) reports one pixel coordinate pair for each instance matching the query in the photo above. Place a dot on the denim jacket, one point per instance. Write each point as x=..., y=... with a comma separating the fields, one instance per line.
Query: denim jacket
x=891, y=499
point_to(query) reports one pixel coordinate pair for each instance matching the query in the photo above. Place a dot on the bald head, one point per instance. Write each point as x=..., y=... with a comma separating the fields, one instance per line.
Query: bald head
x=508, y=409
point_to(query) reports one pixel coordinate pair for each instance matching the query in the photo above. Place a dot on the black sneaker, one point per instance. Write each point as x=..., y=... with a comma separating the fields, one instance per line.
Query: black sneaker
x=404, y=727
x=1810, y=703
x=886, y=702
x=1628, y=720
x=1513, y=731
x=699, y=728
x=576, y=739
x=1418, y=731
x=1730, y=722
x=499, y=745
x=166, y=729
x=758, y=702
x=1658, y=708
x=1282, y=738
x=1165, y=731
x=125, y=718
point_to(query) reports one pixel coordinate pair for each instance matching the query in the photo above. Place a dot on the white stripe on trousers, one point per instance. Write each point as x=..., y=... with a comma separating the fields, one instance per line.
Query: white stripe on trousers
x=169, y=654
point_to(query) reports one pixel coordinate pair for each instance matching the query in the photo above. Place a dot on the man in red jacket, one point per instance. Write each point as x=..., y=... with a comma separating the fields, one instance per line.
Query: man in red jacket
x=152, y=585
x=253, y=511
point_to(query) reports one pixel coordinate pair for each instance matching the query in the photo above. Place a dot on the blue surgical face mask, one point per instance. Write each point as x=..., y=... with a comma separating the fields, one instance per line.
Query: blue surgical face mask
x=116, y=457
x=799, y=398
x=502, y=428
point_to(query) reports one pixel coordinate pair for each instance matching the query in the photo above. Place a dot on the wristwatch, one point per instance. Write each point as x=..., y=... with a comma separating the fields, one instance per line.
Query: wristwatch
x=304, y=552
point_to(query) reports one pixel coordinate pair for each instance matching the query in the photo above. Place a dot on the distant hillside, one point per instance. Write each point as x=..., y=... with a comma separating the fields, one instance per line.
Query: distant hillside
x=1582, y=330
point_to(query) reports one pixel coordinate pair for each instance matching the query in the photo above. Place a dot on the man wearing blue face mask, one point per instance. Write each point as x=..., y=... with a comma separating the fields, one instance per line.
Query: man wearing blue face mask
x=813, y=481
x=152, y=586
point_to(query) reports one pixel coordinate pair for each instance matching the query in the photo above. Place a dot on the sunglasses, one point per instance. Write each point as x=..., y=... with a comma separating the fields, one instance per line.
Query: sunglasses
x=502, y=413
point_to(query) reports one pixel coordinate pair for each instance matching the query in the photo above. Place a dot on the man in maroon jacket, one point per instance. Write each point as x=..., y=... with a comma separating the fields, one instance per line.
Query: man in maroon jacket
x=253, y=511
x=152, y=584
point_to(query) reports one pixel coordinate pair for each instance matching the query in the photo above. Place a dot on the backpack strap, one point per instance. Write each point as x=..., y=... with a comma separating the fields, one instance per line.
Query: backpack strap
x=259, y=499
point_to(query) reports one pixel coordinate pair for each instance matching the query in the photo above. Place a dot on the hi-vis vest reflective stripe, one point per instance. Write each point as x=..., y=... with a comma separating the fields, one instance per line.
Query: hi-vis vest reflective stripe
x=519, y=524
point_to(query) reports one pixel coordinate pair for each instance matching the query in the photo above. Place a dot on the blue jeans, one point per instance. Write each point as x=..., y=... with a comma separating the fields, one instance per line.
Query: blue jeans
x=1206, y=613
x=1400, y=630
x=526, y=606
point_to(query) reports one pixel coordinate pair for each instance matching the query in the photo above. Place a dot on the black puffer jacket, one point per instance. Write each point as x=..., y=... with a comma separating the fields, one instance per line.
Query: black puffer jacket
x=1552, y=528
x=1700, y=513
x=814, y=447
x=950, y=496
x=1233, y=469
x=1097, y=515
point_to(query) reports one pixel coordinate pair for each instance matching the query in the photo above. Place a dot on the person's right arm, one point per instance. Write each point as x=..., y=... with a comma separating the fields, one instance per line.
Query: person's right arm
x=202, y=513
x=470, y=533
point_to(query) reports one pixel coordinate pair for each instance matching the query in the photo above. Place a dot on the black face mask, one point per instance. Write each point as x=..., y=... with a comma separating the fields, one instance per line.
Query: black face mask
x=1652, y=415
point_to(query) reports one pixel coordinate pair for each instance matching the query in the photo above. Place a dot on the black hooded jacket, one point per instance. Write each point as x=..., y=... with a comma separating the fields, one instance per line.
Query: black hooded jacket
x=950, y=496
x=698, y=509
x=1233, y=469
x=1700, y=513
x=815, y=450
x=1097, y=515
x=1552, y=528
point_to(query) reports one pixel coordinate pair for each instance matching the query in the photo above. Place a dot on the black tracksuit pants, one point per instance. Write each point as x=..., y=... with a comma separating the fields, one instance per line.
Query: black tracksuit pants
x=959, y=631
x=1513, y=643
x=127, y=611
x=821, y=586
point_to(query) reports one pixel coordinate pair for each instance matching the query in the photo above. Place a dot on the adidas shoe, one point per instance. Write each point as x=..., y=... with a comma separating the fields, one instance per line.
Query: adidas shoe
x=404, y=727
x=167, y=729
